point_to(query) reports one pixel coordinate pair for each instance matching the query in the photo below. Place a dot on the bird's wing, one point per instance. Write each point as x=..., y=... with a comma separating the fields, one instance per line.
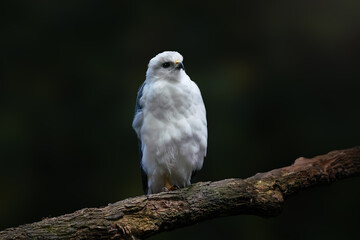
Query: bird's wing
x=138, y=118
x=137, y=123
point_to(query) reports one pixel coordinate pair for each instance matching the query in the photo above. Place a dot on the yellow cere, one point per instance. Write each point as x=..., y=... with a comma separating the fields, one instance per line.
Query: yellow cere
x=177, y=61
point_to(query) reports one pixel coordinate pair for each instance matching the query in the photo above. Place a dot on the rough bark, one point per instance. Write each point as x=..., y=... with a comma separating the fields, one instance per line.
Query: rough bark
x=143, y=216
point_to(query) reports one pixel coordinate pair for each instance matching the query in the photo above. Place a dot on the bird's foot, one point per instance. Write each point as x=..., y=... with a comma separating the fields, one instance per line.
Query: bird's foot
x=170, y=188
x=174, y=187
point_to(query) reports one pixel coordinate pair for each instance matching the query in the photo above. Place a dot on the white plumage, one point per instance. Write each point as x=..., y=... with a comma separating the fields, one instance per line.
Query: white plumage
x=170, y=122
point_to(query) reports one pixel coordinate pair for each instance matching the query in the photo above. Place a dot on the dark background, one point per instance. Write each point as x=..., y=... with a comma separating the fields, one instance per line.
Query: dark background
x=279, y=79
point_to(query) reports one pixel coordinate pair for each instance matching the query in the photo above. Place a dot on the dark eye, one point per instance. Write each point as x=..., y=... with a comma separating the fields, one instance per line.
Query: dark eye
x=166, y=65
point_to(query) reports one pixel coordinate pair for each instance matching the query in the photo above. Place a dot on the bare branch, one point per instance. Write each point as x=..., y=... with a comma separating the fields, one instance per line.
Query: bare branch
x=141, y=217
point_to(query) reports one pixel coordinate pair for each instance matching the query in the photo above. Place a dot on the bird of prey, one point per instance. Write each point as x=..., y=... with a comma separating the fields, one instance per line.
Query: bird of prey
x=170, y=122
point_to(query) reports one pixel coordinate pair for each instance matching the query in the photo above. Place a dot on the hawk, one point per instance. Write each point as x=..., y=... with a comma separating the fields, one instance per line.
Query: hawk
x=170, y=123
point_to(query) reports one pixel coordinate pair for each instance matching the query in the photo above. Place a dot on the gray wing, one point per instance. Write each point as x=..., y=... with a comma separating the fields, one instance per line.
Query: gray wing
x=138, y=107
x=138, y=119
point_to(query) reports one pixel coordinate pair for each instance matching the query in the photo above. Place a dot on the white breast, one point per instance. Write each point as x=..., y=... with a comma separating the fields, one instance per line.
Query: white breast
x=173, y=133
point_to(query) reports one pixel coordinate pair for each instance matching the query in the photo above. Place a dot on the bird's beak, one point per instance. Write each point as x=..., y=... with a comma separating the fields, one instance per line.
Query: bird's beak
x=179, y=65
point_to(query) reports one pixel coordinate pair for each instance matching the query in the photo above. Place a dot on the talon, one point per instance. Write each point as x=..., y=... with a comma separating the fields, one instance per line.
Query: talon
x=174, y=187
x=171, y=188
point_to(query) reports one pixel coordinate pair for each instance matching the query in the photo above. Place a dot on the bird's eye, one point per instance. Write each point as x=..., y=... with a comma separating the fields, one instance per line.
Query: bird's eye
x=166, y=65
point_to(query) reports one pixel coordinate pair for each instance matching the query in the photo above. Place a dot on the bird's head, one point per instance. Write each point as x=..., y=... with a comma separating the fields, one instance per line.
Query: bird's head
x=166, y=65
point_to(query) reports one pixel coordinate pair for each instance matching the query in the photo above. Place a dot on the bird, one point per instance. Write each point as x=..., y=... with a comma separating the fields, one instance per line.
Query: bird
x=170, y=123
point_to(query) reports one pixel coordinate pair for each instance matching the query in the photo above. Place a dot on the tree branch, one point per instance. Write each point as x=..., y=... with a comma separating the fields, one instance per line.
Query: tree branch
x=143, y=216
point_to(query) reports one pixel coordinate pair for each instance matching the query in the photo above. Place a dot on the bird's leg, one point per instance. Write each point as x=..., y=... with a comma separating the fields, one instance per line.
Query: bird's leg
x=168, y=186
x=167, y=183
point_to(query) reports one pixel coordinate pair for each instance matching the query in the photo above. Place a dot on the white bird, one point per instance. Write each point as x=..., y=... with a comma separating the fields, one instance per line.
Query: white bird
x=170, y=122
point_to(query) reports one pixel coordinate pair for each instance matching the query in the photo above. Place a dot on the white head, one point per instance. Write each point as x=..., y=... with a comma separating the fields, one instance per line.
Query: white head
x=166, y=65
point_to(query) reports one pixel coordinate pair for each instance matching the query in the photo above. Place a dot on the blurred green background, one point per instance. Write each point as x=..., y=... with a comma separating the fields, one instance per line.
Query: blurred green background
x=280, y=80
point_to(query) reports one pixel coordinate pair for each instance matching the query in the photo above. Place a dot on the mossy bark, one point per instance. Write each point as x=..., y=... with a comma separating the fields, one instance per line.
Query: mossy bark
x=143, y=216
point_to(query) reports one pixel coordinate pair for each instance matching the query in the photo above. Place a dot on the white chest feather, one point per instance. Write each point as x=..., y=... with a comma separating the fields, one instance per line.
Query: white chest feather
x=173, y=131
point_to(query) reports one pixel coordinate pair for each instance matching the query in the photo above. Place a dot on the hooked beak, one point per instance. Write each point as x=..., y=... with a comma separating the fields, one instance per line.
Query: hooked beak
x=180, y=65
